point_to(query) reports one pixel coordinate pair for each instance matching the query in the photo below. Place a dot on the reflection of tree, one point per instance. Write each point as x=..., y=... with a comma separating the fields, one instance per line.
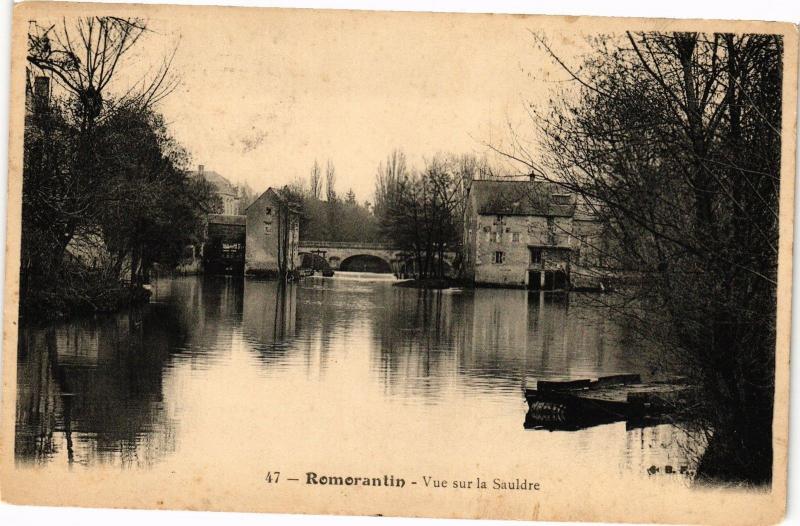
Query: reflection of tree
x=211, y=307
x=329, y=312
x=493, y=337
x=99, y=380
x=107, y=402
x=38, y=399
x=415, y=335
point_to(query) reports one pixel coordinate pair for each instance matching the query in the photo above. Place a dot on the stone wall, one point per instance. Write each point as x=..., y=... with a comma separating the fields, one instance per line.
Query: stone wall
x=262, y=241
x=513, y=237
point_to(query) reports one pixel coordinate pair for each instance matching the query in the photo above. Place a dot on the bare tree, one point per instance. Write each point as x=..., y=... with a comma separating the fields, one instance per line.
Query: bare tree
x=422, y=211
x=290, y=203
x=673, y=141
x=330, y=182
x=315, y=180
x=84, y=56
x=387, y=178
x=100, y=166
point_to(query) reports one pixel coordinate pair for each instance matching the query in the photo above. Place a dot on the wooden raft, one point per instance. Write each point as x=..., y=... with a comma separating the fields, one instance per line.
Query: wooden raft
x=578, y=404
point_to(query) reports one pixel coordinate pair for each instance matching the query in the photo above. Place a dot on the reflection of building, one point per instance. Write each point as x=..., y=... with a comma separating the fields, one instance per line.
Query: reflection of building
x=525, y=234
x=272, y=236
x=229, y=193
x=269, y=314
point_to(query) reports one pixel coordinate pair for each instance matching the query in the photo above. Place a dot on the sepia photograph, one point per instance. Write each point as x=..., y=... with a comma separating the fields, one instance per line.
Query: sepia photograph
x=408, y=264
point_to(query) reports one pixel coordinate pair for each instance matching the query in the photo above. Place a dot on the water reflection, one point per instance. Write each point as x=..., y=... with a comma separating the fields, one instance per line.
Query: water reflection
x=96, y=384
x=269, y=317
x=205, y=358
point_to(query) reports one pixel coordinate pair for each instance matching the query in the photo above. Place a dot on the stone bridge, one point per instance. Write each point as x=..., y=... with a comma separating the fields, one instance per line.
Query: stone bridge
x=363, y=257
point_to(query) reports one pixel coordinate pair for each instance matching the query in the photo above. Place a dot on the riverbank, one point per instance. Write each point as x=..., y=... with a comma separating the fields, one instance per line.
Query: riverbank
x=62, y=302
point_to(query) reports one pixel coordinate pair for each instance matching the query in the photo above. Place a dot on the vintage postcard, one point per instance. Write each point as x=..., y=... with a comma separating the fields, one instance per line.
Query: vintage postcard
x=399, y=264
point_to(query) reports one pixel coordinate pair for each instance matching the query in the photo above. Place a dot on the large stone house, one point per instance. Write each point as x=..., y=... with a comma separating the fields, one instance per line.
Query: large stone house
x=222, y=250
x=528, y=234
x=227, y=191
x=272, y=235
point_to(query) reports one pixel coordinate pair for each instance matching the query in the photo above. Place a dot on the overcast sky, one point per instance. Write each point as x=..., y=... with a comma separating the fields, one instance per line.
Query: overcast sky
x=262, y=96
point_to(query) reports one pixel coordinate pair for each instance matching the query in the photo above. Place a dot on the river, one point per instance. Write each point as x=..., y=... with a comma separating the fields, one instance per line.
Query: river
x=296, y=375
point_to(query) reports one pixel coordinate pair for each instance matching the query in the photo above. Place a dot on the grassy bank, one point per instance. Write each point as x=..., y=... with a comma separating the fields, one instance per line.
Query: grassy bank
x=62, y=300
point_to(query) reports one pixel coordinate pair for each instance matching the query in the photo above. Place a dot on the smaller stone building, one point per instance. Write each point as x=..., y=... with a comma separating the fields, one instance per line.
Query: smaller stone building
x=272, y=235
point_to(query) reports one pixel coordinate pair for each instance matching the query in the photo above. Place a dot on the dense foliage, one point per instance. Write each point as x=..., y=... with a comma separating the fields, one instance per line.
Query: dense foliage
x=422, y=210
x=674, y=139
x=105, y=190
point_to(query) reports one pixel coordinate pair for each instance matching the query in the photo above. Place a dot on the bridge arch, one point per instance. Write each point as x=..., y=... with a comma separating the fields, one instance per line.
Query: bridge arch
x=365, y=263
x=313, y=261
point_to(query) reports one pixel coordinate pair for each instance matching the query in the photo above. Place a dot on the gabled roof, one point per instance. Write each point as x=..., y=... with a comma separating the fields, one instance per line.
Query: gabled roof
x=223, y=186
x=269, y=192
x=521, y=198
x=276, y=197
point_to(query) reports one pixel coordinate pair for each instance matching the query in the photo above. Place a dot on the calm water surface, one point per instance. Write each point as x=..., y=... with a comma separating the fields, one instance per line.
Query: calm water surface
x=294, y=375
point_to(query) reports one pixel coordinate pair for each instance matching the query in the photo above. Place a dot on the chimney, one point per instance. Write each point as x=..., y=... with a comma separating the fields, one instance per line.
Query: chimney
x=200, y=169
x=41, y=93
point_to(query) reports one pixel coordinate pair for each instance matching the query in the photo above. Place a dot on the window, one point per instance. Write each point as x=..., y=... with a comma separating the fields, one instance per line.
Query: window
x=499, y=220
x=499, y=256
x=515, y=237
x=536, y=255
x=498, y=237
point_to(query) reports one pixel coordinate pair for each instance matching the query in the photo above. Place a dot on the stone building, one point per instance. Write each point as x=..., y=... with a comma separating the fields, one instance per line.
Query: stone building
x=227, y=191
x=272, y=235
x=526, y=234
